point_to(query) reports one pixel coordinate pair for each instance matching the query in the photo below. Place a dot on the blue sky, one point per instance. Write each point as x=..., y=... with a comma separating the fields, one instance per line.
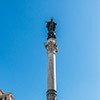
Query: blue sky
x=23, y=58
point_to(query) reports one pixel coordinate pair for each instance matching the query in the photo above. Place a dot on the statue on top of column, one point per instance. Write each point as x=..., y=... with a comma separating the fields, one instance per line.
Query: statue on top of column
x=51, y=25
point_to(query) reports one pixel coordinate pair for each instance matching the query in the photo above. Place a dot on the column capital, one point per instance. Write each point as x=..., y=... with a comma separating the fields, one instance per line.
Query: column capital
x=51, y=46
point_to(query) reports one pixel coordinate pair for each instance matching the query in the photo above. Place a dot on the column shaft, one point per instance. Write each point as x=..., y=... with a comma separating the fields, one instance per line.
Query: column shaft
x=52, y=71
x=51, y=47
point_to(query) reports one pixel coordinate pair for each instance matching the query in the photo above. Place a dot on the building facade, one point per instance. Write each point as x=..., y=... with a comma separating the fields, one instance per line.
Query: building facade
x=7, y=96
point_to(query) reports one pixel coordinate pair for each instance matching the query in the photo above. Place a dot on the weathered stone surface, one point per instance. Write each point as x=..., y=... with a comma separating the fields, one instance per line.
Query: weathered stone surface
x=52, y=49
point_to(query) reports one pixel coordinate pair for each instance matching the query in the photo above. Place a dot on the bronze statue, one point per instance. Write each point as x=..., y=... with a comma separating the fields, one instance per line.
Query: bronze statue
x=51, y=25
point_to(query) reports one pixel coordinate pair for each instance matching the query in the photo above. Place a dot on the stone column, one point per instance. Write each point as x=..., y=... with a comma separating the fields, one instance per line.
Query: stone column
x=51, y=48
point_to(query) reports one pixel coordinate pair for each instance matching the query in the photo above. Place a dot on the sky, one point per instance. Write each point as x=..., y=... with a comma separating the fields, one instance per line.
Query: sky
x=23, y=57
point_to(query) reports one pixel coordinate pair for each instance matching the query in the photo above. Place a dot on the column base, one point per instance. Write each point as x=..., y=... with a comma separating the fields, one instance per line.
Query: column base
x=51, y=94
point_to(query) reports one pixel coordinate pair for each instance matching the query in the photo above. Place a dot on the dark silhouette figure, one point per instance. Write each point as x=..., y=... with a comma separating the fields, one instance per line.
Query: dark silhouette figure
x=51, y=25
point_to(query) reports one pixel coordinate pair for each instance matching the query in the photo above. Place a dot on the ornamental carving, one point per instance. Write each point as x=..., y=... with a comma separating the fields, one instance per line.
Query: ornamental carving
x=51, y=46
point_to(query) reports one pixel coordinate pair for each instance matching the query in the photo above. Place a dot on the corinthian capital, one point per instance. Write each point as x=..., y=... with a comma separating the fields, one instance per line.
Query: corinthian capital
x=51, y=46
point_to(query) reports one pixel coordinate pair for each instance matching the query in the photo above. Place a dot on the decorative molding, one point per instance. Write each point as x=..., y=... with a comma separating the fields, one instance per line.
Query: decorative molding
x=51, y=94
